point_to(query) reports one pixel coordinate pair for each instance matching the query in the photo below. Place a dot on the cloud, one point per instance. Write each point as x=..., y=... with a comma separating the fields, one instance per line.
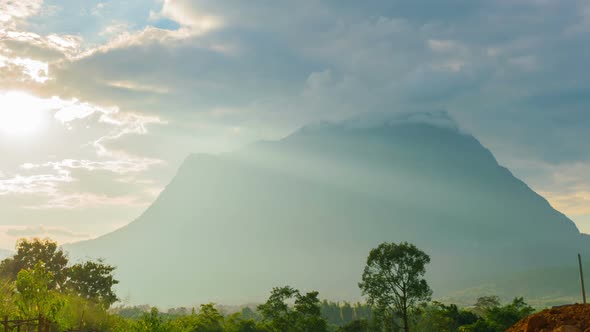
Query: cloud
x=114, y=166
x=443, y=46
x=574, y=203
x=30, y=69
x=44, y=184
x=186, y=13
x=12, y=12
x=61, y=185
x=51, y=47
x=565, y=185
x=88, y=200
x=44, y=231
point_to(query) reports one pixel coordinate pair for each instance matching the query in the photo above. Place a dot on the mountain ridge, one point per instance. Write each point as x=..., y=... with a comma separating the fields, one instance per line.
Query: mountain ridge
x=305, y=210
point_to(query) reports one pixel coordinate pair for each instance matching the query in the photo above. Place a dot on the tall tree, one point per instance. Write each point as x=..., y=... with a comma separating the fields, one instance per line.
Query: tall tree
x=29, y=253
x=93, y=281
x=393, y=279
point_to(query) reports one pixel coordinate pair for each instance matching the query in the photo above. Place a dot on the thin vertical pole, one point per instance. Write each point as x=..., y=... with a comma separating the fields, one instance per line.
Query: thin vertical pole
x=582, y=278
x=5, y=323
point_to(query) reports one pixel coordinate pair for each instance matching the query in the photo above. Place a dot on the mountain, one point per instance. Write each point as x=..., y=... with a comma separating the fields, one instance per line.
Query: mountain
x=306, y=210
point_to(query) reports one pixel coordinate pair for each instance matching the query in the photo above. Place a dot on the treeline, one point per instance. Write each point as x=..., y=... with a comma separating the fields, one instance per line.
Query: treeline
x=336, y=314
x=486, y=315
x=339, y=314
x=40, y=281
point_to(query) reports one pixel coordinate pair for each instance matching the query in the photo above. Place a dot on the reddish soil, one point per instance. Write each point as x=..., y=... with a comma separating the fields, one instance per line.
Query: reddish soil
x=568, y=318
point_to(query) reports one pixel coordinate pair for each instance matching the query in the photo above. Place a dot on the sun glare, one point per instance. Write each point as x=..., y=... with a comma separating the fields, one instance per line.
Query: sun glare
x=20, y=114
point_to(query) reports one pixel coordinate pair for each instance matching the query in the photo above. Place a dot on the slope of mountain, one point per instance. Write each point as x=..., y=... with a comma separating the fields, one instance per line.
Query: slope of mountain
x=541, y=287
x=306, y=210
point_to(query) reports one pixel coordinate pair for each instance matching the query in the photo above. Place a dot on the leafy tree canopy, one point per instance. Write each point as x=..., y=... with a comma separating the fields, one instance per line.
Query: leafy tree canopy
x=93, y=280
x=305, y=316
x=29, y=253
x=393, y=279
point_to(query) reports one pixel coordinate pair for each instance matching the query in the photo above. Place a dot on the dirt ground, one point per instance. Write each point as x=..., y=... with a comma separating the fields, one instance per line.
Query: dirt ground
x=568, y=318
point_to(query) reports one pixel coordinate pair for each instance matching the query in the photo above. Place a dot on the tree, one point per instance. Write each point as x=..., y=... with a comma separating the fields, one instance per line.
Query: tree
x=304, y=317
x=485, y=303
x=347, y=312
x=444, y=318
x=93, y=281
x=209, y=318
x=498, y=318
x=331, y=312
x=250, y=314
x=31, y=252
x=355, y=326
x=393, y=279
x=237, y=322
x=34, y=296
x=504, y=317
x=151, y=322
x=275, y=311
x=308, y=314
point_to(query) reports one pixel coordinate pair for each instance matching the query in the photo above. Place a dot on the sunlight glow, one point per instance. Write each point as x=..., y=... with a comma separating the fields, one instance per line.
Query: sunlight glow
x=20, y=113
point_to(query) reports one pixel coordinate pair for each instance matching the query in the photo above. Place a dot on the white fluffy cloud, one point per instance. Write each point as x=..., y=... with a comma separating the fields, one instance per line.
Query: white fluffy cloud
x=12, y=11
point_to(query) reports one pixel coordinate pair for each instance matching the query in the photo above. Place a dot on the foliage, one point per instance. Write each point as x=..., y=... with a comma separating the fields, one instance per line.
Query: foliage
x=308, y=314
x=7, y=307
x=29, y=253
x=504, y=317
x=340, y=314
x=151, y=321
x=393, y=280
x=304, y=316
x=238, y=322
x=93, y=281
x=484, y=304
x=499, y=318
x=275, y=311
x=444, y=318
x=355, y=326
x=34, y=295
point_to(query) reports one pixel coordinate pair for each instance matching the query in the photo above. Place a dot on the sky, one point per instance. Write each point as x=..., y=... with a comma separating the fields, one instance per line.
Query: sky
x=101, y=101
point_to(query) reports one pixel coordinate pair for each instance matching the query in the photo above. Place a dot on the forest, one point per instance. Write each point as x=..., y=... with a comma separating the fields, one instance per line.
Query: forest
x=41, y=290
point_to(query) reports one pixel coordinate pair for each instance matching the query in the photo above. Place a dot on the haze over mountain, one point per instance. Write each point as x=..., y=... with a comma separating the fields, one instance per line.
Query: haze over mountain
x=306, y=210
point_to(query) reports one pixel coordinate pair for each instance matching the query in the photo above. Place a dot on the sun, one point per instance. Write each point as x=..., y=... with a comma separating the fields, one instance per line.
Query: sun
x=21, y=114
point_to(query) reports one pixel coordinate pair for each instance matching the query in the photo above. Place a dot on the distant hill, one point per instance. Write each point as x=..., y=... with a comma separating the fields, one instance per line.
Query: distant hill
x=306, y=210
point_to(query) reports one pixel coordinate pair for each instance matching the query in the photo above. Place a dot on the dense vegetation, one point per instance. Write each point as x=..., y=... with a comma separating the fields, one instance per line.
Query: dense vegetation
x=39, y=280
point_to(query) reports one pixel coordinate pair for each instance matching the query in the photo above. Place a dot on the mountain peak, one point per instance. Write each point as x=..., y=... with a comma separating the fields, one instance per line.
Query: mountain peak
x=439, y=118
